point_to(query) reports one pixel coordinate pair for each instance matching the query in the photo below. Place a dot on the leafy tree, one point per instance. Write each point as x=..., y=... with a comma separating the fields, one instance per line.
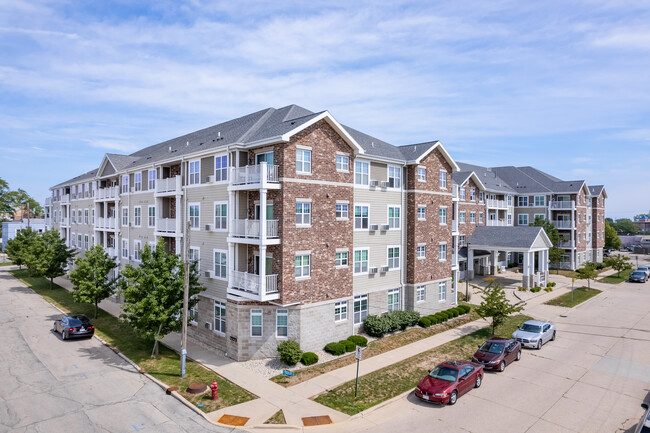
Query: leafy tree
x=625, y=226
x=58, y=255
x=25, y=249
x=5, y=207
x=153, y=293
x=495, y=305
x=587, y=272
x=14, y=250
x=554, y=253
x=619, y=263
x=611, y=238
x=90, y=279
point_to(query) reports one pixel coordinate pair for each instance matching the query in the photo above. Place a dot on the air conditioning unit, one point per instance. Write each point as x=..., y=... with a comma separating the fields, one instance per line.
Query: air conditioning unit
x=374, y=182
x=208, y=325
x=374, y=227
x=209, y=179
x=385, y=227
x=383, y=269
x=209, y=274
x=373, y=270
x=385, y=184
x=208, y=227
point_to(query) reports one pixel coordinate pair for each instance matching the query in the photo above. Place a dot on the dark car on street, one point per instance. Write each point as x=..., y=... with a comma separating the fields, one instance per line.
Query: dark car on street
x=74, y=326
x=448, y=381
x=638, y=277
x=496, y=353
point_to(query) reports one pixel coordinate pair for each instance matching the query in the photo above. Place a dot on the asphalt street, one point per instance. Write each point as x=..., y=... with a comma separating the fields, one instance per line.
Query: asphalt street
x=50, y=385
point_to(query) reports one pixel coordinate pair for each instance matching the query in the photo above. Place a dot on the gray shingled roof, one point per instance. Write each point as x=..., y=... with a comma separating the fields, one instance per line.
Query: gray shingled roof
x=86, y=176
x=521, y=182
x=505, y=237
x=411, y=152
x=595, y=190
x=374, y=146
x=460, y=177
x=489, y=178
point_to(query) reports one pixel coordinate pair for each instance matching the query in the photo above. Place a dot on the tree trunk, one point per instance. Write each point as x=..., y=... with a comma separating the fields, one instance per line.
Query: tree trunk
x=95, y=309
x=51, y=283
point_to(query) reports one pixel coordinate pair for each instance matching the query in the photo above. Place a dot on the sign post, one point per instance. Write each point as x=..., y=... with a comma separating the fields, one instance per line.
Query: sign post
x=357, y=354
x=572, y=281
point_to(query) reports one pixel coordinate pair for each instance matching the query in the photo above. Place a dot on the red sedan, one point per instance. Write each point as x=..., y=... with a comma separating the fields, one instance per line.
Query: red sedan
x=448, y=381
x=496, y=353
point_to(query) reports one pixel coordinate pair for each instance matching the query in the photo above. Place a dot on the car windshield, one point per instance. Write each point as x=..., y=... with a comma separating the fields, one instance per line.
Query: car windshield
x=638, y=273
x=447, y=374
x=492, y=347
x=74, y=322
x=528, y=327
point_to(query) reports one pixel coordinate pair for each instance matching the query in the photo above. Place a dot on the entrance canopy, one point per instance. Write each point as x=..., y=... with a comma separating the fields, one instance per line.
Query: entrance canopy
x=515, y=238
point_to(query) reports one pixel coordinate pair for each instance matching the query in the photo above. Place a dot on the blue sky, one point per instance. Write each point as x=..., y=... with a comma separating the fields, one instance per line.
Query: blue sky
x=563, y=86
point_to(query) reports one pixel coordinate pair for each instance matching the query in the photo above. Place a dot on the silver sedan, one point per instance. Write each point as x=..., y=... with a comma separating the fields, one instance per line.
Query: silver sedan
x=534, y=333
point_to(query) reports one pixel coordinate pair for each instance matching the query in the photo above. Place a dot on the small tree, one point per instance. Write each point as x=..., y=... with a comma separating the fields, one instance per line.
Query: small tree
x=58, y=255
x=90, y=277
x=587, y=272
x=22, y=250
x=555, y=257
x=153, y=293
x=619, y=263
x=14, y=250
x=554, y=253
x=495, y=305
x=612, y=241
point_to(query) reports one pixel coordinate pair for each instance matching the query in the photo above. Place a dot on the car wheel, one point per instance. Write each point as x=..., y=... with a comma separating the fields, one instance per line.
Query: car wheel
x=502, y=366
x=62, y=335
x=479, y=381
x=539, y=344
x=518, y=355
x=54, y=327
x=553, y=337
x=453, y=397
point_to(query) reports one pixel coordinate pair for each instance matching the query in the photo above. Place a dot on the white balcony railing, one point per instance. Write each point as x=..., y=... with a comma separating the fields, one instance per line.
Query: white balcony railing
x=454, y=225
x=555, y=204
x=106, y=223
x=111, y=252
x=254, y=174
x=65, y=199
x=65, y=221
x=48, y=201
x=564, y=224
x=109, y=193
x=454, y=191
x=166, y=225
x=499, y=204
x=566, y=244
x=251, y=228
x=251, y=282
x=171, y=185
x=496, y=223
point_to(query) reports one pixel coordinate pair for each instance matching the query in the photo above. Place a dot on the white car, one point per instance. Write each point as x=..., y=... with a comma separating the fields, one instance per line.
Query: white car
x=645, y=269
x=534, y=333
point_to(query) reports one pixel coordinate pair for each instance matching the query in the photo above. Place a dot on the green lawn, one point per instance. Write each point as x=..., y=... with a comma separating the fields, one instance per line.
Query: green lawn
x=580, y=295
x=395, y=379
x=165, y=368
x=6, y=263
x=616, y=279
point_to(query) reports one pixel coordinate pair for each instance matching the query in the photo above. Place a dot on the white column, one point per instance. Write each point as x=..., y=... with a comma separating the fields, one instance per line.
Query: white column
x=526, y=264
x=470, y=264
x=179, y=212
x=263, y=215
x=262, y=270
x=494, y=258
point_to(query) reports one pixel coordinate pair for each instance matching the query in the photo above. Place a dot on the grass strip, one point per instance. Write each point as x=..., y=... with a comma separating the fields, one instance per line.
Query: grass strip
x=165, y=368
x=277, y=418
x=395, y=379
x=617, y=278
x=580, y=295
x=374, y=348
x=6, y=264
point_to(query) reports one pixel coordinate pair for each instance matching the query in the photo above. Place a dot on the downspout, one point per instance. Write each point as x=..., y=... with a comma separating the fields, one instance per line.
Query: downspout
x=402, y=235
x=128, y=230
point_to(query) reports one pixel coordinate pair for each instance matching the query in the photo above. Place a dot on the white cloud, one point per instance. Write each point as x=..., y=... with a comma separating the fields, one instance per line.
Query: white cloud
x=116, y=145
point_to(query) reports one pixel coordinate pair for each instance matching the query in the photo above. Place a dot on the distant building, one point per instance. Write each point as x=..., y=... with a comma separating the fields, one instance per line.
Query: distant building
x=642, y=223
x=11, y=228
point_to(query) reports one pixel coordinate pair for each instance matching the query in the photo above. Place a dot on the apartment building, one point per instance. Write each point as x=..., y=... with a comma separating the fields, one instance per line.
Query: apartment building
x=301, y=226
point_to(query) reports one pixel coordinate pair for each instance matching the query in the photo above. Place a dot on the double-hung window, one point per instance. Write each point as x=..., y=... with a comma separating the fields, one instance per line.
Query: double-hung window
x=461, y=192
x=151, y=220
x=461, y=217
x=342, y=211
x=195, y=257
x=360, y=217
x=220, y=168
x=86, y=216
x=342, y=163
x=393, y=217
x=361, y=172
x=472, y=194
x=282, y=323
x=303, y=265
x=193, y=312
x=125, y=248
x=422, y=212
x=125, y=216
x=341, y=259
x=361, y=261
x=442, y=291
x=220, y=265
x=360, y=308
x=420, y=293
x=194, y=211
x=522, y=201
x=137, y=181
x=443, y=179
x=220, y=216
x=303, y=161
x=394, y=176
x=137, y=216
x=472, y=217
x=86, y=243
x=125, y=184
x=195, y=172
x=480, y=217
x=151, y=185
x=137, y=246
x=303, y=213
x=540, y=201
x=393, y=299
x=220, y=317
x=256, y=322
x=522, y=219
x=393, y=257
x=422, y=174
x=442, y=215
x=442, y=252
x=421, y=252
x=341, y=311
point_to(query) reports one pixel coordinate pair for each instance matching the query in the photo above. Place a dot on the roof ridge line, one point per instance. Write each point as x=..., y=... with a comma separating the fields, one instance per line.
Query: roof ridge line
x=257, y=125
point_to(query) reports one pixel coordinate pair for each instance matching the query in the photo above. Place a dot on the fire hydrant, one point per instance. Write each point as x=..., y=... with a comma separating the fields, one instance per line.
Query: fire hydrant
x=215, y=390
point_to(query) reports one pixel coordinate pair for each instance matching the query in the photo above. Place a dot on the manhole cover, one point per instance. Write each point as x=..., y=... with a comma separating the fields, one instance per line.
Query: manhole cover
x=197, y=388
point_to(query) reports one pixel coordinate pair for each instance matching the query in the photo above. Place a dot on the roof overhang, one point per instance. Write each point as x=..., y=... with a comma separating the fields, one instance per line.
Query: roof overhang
x=445, y=154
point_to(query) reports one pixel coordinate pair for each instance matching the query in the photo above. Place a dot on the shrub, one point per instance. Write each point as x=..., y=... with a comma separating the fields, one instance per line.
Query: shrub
x=433, y=319
x=522, y=289
x=454, y=312
x=424, y=322
x=309, y=358
x=444, y=315
x=290, y=352
x=335, y=349
x=548, y=289
x=464, y=309
x=393, y=320
x=358, y=340
x=349, y=346
x=402, y=319
x=535, y=289
x=376, y=326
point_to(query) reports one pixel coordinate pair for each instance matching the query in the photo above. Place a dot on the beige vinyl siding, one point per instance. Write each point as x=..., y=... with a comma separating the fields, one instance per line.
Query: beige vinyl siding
x=207, y=168
x=378, y=171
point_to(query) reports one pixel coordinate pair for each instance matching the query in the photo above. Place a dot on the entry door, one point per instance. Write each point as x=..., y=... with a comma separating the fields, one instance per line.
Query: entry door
x=269, y=211
x=269, y=265
x=264, y=157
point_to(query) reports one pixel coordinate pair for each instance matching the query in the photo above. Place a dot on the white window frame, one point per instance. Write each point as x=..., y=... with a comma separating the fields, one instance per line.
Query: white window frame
x=79, y=241
x=219, y=319
x=442, y=252
x=125, y=248
x=343, y=163
x=195, y=220
x=442, y=291
x=472, y=193
x=151, y=219
x=86, y=242
x=472, y=217
x=442, y=179
x=257, y=312
x=394, y=176
x=221, y=172
x=301, y=268
x=422, y=174
x=194, y=172
x=480, y=217
x=220, y=221
x=137, y=219
x=303, y=212
x=461, y=217
x=522, y=201
x=539, y=203
x=422, y=212
x=137, y=248
x=543, y=216
x=420, y=293
x=361, y=218
x=125, y=184
x=218, y=257
x=362, y=313
x=394, y=306
x=151, y=181
x=342, y=211
x=281, y=312
x=125, y=216
x=303, y=159
x=86, y=216
x=361, y=262
x=421, y=251
x=461, y=240
x=393, y=263
x=462, y=193
x=137, y=181
x=195, y=255
x=362, y=175
x=394, y=222
x=340, y=311
x=342, y=259
x=520, y=217
x=193, y=312
x=442, y=215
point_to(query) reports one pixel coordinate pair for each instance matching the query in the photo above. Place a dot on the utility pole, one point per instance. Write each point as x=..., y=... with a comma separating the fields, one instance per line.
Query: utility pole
x=186, y=291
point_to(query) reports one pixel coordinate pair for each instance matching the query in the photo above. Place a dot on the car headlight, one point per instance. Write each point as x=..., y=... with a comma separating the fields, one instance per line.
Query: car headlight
x=474, y=358
x=494, y=362
x=441, y=394
x=417, y=389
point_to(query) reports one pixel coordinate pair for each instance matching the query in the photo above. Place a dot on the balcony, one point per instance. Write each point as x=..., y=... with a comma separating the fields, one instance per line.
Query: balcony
x=496, y=204
x=110, y=193
x=167, y=227
x=111, y=252
x=254, y=177
x=566, y=244
x=250, y=285
x=555, y=204
x=244, y=230
x=106, y=223
x=454, y=226
x=169, y=186
x=48, y=201
x=496, y=223
x=454, y=192
x=65, y=199
x=564, y=224
x=65, y=222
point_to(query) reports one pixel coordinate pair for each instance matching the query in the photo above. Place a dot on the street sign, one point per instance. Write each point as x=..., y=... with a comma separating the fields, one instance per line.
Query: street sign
x=357, y=353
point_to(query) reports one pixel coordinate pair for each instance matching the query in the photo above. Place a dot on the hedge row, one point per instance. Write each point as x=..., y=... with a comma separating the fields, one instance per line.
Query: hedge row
x=348, y=345
x=443, y=316
x=378, y=326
